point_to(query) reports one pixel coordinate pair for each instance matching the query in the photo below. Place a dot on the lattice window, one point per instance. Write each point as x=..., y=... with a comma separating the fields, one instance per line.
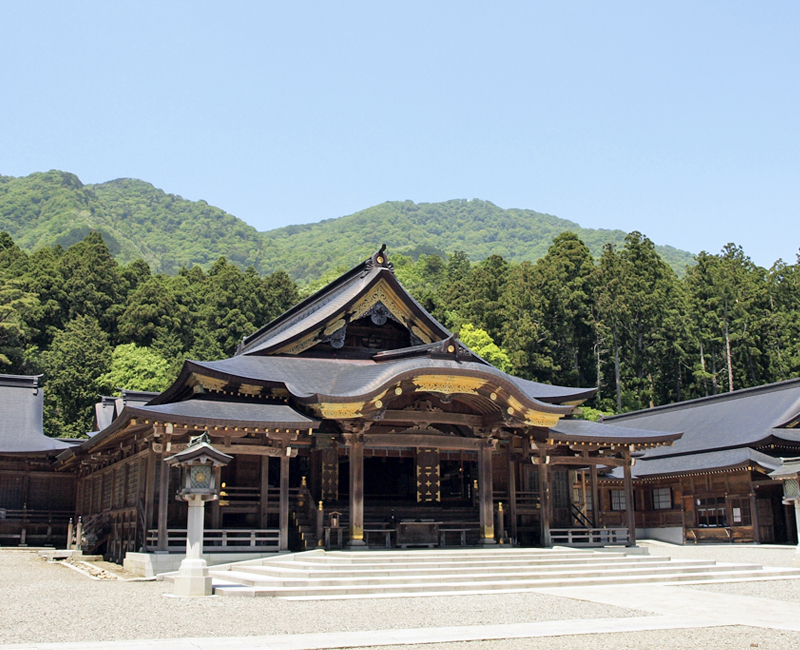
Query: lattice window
x=662, y=499
x=740, y=512
x=618, y=501
x=711, y=512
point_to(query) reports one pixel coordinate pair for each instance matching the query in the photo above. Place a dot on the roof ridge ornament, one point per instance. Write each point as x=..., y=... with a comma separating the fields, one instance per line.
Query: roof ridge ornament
x=379, y=260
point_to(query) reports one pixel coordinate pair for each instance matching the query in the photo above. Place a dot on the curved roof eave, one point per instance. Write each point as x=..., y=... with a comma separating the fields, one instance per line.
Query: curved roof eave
x=315, y=380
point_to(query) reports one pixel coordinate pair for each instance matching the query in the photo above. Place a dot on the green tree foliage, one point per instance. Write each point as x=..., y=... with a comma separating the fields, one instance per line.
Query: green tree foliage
x=135, y=368
x=80, y=354
x=481, y=343
x=139, y=221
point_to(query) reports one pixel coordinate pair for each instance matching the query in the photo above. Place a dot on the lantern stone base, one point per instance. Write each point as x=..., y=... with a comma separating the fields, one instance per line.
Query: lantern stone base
x=193, y=579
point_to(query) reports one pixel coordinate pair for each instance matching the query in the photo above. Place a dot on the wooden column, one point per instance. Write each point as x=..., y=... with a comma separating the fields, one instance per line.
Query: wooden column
x=630, y=506
x=595, y=497
x=486, y=497
x=512, y=491
x=283, y=516
x=544, y=497
x=753, y=516
x=263, y=500
x=163, y=503
x=216, y=514
x=355, y=444
x=149, y=492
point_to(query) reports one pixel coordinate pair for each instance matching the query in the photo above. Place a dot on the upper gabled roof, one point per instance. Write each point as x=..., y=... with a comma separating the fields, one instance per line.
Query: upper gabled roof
x=320, y=317
x=741, y=418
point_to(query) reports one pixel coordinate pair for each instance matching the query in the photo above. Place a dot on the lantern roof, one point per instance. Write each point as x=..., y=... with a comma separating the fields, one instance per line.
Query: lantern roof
x=199, y=450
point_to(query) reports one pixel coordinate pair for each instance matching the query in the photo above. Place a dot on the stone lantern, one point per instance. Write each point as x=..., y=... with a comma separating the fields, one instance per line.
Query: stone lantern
x=789, y=474
x=198, y=484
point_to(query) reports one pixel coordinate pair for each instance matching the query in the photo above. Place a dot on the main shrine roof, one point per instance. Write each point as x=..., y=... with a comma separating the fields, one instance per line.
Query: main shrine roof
x=351, y=378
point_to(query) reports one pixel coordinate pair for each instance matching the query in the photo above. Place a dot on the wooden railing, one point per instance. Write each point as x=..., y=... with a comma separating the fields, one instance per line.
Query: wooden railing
x=28, y=525
x=588, y=536
x=220, y=540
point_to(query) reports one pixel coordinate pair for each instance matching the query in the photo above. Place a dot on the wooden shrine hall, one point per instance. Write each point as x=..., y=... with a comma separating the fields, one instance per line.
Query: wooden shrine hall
x=356, y=419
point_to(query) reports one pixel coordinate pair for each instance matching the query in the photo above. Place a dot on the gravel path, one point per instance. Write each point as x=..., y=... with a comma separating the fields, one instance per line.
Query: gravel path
x=41, y=601
x=719, y=638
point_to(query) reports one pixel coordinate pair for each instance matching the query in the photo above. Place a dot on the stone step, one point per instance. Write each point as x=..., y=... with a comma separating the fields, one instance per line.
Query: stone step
x=469, y=586
x=439, y=555
x=320, y=574
x=288, y=570
x=458, y=563
x=252, y=579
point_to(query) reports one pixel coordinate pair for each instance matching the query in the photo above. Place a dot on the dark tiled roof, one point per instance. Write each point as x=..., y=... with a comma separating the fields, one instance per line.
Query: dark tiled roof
x=583, y=430
x=742, y=418
x=714, y=460
x=218, y=412
x=21, y=403
x=348, y=378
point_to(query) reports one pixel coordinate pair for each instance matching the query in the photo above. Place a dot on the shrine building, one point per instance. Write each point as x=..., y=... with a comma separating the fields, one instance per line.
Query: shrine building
x=355, y=419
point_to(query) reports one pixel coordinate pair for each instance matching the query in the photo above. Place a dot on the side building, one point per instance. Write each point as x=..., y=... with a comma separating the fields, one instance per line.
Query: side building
x=713, y=483
x=36, y=502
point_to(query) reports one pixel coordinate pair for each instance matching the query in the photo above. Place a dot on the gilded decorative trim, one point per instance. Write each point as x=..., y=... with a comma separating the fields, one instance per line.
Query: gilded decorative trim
x=335, y=326
x=356, y=532
x=339, y=411
x=250, y=389
x=532, y=417
x=211, y=383
x=448, y=384
x=487, y=532
x=302, y=345
x=422, y=336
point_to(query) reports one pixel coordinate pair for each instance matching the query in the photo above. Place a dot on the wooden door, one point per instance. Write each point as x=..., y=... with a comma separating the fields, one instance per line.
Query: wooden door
x=329, y=475
x=764, y=520
x=428, y=476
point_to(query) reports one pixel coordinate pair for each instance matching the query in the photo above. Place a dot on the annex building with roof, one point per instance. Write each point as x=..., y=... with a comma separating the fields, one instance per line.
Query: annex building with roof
x=713, y=483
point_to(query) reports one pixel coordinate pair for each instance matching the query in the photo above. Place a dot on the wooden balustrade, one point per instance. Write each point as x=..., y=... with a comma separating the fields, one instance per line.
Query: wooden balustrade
x=588, y=536
x=220, y=540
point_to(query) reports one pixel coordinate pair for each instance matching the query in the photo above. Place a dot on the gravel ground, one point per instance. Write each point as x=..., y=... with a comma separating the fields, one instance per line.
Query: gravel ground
x=41, y=601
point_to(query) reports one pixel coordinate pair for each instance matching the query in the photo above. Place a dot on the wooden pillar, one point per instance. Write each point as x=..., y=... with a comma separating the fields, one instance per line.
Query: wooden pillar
x=595, y=497
x=263, y=499
x=149, y=493
x=512, y=491
x=544, y=497
x=283, y=516
x=163, y=504
x=356, y=453
x=630, y=506
x=486, y=497
x=216, y=514
x=754, y=516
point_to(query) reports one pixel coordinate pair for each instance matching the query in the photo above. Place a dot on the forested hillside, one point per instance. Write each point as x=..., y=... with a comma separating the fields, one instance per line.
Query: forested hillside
x=624, y=322
x=139, y=221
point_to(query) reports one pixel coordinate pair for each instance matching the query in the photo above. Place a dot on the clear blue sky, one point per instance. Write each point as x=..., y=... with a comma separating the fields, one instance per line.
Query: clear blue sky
x=678, y=119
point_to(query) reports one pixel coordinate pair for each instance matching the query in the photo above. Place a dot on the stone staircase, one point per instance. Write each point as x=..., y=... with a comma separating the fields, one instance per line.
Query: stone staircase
x=318, y=574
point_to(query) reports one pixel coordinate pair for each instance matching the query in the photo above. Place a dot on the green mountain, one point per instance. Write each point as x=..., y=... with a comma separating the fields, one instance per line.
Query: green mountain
x=138, y=220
